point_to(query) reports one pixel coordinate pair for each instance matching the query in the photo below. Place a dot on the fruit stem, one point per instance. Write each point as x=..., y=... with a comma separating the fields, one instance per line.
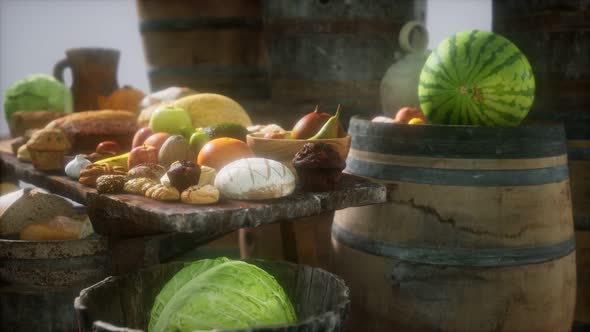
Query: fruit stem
x=316, y=108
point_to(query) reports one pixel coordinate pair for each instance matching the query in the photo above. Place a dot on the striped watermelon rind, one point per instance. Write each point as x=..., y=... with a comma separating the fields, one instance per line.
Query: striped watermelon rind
x=476, y=78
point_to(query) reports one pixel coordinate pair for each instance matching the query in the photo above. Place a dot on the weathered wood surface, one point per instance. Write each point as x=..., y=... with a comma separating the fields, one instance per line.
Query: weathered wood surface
x=320, y=299
x=477, y=234
x=125, y=215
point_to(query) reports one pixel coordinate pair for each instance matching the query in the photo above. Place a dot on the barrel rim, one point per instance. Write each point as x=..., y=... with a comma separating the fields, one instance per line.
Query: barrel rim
x=337, y=314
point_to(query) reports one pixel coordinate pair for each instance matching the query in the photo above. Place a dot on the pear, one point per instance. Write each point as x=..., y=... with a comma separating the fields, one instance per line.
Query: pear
x=330, y=129
x=175, y=148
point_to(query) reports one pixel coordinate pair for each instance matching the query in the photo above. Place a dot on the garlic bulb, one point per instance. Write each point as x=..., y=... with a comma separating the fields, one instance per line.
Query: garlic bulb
x=73, y=167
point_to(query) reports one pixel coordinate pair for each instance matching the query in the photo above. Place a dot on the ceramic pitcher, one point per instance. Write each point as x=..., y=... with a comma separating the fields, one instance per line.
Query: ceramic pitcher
x=399, y=86
x=94, y=73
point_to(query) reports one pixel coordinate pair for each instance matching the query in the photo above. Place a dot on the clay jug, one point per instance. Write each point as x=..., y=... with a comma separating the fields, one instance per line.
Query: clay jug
x=399, y=86
x=94, y=73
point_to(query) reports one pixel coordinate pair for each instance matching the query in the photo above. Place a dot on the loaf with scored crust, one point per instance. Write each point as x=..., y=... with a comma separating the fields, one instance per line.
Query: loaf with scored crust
x=86, y=129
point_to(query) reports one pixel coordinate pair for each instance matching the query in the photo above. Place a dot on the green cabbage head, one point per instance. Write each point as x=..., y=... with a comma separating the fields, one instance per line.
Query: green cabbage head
x=37, y=92
x=220, y=293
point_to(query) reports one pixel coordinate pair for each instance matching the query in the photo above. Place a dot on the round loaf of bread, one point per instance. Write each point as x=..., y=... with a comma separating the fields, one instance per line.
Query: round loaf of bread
x=255, y=178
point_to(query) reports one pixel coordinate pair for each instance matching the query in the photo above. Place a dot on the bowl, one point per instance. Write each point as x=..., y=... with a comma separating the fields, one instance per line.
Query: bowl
x=283, y=150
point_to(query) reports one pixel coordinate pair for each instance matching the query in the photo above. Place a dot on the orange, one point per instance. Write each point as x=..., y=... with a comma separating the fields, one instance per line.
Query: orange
x=125, y=98
x=222, y=151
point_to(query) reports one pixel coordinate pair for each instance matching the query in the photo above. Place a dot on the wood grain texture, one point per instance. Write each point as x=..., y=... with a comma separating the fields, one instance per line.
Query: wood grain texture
x=453, y=252
x=320, y=299
x=205, y=45
x=333, y=51
x=124, y=215
x=303, y=241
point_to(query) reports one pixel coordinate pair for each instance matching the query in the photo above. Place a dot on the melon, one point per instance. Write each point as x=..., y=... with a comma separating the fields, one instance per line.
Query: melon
x=476, y=78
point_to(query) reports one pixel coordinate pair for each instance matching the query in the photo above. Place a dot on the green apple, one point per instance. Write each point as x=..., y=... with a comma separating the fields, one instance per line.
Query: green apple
x=198, y=139
x=170, y=119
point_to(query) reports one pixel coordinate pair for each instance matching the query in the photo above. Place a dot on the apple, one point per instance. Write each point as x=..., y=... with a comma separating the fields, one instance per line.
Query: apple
x=142, y=154
x=198, y=139
x=405, y=114
x=108, y=147
x=170, y=119
x=156, y=140
x=140, y=136
x=310, y=124
x=276, y=135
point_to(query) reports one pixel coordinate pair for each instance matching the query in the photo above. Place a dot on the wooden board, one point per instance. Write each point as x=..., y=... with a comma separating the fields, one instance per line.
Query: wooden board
x=124, y=215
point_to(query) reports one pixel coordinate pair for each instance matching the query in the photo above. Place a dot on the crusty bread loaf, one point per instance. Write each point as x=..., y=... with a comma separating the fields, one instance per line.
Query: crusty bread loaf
x=21, y=121
x=255, y=178
x=27, y=206
x=86, y=129
x=57, y=228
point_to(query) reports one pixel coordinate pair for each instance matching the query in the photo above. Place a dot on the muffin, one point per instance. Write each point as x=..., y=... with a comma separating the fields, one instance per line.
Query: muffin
x=319, y=167
x=48, y=148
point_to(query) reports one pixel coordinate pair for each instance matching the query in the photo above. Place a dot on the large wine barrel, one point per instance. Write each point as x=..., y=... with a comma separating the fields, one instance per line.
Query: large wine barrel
x=207, y=45
x=554, y=35
x=320, y=299
x=40, y=279
x=478, y=234
x=333, y=52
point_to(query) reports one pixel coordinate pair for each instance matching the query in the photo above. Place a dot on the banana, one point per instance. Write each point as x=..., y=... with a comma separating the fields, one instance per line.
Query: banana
x=120, y=160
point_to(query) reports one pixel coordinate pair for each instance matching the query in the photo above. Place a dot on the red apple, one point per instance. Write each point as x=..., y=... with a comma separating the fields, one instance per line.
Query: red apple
x=108, y=147
x=142, y=154
x=156, y=140
x=140, y=136
x=275, y=135
x=406, y=114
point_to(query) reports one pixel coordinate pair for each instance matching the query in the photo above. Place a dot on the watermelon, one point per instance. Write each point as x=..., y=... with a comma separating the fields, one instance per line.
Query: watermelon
x=476, y=78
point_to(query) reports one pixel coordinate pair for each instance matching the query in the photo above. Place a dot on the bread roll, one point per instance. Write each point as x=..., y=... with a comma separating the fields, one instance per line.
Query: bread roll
x=27, y=206
x=255, y=178
x=57, y=228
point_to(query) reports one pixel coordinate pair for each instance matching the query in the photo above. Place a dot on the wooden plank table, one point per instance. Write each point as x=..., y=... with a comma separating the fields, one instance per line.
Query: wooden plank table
x=125, y=216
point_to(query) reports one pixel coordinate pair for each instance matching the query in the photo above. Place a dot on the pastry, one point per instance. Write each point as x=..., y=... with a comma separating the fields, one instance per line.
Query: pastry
x=183, y=174
x=255, y=178
x=16, y=143
x=319, y=167
x=200, y=195
x=90, y=173
x=136, y=185
x=161, y=192
x=48, y=148
x=208, y=175
x=23, y=154
x=87, y=129
x=147, y=170
x=106, y=184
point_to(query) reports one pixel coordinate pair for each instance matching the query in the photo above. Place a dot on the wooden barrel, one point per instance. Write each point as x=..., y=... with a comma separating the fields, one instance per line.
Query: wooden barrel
x=478, y=234
x=579, y=164
x=554, y=35
x=320, y=299
x=207, y=45
x=40, y=279
x=334, y=52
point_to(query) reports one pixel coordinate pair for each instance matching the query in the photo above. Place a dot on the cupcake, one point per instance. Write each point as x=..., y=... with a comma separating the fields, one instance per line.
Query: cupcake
x=319, y=167
x=48, y=148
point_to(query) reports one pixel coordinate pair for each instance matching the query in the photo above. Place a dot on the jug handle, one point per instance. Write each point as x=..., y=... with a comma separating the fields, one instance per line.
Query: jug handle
x=58, y=69
x=413, y=37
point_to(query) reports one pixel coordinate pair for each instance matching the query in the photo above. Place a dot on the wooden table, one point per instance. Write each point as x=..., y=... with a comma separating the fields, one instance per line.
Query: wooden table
x=125, y=216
